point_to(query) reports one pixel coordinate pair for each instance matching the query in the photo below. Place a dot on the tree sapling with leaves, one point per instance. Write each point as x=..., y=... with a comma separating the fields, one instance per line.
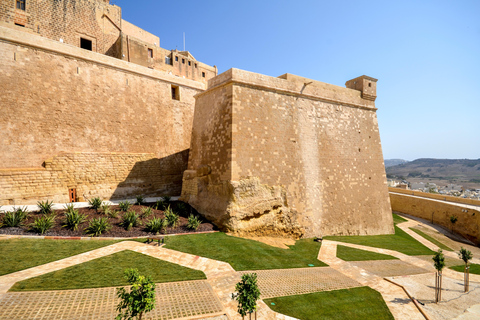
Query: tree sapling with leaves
x=139, y=300
x=439, y=264
x=465, y=255
x=247, y=295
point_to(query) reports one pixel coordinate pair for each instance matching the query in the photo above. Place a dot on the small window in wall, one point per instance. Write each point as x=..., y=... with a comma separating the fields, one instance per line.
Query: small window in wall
x=176, y=58
x=20, y=25
x=183, y=60
x=72, y=194
x=150, y=53
x=189, y=63
x=168, y=60
x=195, y=65
x=175, y=92
x=203, y=74
x=21, y=4
x=86, y=44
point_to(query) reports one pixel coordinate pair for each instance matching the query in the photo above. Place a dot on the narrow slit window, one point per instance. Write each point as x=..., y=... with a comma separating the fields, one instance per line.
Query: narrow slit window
x=189, y=63
x=150, y=53
x=175, y=92
x=203, y=74
x=176, y=58
x=86, y=44
x=21, y=4
x=183, y=61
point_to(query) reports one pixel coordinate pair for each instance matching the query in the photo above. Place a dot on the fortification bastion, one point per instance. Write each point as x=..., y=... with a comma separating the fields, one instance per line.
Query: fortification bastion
x=288, y=156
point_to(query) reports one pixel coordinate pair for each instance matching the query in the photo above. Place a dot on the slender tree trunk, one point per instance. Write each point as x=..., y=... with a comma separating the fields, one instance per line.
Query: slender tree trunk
x=466, y=278
x=140, y=316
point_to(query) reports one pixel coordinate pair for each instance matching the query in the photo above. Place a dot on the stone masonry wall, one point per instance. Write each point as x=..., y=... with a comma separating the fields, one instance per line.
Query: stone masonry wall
x=468, y=223
x=305, y=158
x=107, y=175
x=68, y=20
x=62, y=99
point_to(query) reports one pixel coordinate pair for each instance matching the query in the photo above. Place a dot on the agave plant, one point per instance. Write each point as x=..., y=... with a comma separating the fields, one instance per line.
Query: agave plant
x=129, y=220
x=45, y=207
x=97, y=226
x=43, y=224
x=172, y=217
x=95, y=203
x=193, y=222
x=105, y=208
x=15, y=218
x=140, y=200
x=157, y=225
x=124, y=205
x=147, y=212
x=73, y=219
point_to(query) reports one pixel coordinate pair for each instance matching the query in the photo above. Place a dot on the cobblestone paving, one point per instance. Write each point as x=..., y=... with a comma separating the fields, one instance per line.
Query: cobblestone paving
x=389, y=268
x=287, y=282
x=173, y=300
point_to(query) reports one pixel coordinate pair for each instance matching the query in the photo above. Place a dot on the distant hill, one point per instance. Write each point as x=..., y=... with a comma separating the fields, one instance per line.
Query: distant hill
x=441, y=169
x=393, y=162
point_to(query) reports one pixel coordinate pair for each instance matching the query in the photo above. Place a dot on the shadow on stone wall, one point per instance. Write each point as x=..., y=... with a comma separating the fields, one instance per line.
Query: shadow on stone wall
x=154, y=177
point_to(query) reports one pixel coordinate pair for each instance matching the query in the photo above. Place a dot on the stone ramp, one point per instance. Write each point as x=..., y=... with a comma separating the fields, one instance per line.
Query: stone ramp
x=288, y=282
x=173, y=301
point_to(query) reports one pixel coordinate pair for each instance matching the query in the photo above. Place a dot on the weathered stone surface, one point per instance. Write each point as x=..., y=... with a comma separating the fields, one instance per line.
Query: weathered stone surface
x=288, y=156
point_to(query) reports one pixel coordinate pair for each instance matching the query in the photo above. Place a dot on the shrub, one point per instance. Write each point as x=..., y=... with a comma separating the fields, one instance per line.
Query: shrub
x=95, y=203
x=97, y=226
x=147, y=212
x=43, y=224
x=129, y=220
x=160, y=205
x=157, y=225
x=45, y=207
x=172, y=217
x=124, y=205
x=247, y=294
x=140, y=200
x=139, y=300
x=105, y=208
x=70, y=207
x=73, y=219
x=15, y=218
x=112, y=214
x=193, y=222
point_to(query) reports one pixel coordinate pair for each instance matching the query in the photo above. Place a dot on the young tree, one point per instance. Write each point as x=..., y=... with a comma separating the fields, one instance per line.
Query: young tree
x=465, y=255
x=247, y=295
x=439, y=264
x=139, y=300
x=453, y=219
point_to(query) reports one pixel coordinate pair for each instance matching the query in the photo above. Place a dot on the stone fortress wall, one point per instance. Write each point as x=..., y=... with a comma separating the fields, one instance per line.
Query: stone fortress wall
x=288, y=155
x=425, y=206
x=60, y=99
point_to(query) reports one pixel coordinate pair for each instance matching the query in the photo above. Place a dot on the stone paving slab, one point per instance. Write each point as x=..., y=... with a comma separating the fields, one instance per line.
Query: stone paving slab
x=173, y=301
x=389, y=268
x=287, y=282
x=455, y=302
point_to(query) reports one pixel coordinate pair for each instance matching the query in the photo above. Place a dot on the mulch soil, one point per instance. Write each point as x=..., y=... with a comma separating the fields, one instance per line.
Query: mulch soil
x=116, y=229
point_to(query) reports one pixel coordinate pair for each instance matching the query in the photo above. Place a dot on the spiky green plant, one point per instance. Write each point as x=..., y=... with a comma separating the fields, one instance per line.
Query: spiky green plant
x=14, y=218
x=172, y=217
x=97, y=226
x=193, y=222
x=112, y=213
x=157, y=225
x=73, y=219
x=43, y=224
x=124, y=205
x=129, y=220
x=45, y=207
x=105, y=208
x=69, y=207
x=95, y=203
x=159, y=205
x=140, y=200
x=147, y=212
x=166, y=199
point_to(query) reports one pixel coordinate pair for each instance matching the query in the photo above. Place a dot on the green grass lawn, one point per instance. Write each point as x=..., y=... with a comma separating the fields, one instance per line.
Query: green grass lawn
x=108, y=271
x=243, y=254
x=357, y=303
x=400, y=241
x=20, y=254
x=397, y=219
x=352, y=254
x=432, y=240
x=474, y=268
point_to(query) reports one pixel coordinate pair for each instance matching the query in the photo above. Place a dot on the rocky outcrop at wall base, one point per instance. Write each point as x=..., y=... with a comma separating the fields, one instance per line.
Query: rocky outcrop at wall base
x=243, y=207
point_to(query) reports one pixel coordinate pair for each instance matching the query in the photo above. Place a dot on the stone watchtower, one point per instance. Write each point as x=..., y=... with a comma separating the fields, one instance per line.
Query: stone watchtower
x=366, y=85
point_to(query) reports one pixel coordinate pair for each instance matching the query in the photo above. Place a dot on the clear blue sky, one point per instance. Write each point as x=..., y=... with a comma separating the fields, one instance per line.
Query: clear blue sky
x=426, y=55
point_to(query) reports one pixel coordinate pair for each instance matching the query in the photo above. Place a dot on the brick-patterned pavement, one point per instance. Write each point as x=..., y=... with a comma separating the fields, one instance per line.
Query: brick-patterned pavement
x=287, y=282
x=389, y=268
x=173, y=300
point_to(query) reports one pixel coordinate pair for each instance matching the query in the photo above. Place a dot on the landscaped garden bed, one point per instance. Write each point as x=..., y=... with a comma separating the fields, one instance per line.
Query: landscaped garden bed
x=123, y=220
